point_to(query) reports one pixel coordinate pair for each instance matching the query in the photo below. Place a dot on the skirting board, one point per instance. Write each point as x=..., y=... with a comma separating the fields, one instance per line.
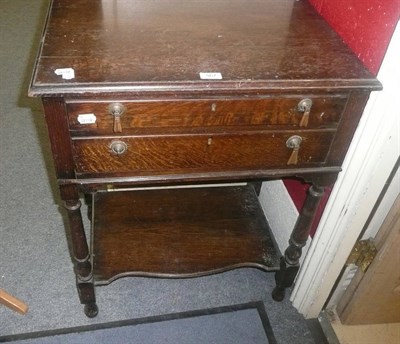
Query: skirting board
x=280, y=212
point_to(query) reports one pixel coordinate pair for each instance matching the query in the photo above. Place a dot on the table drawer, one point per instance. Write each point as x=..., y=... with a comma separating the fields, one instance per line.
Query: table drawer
x=307, y=112
x=199, y=153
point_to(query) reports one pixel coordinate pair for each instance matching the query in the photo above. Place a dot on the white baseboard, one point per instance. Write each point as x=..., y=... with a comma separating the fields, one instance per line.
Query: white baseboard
x=280, y=212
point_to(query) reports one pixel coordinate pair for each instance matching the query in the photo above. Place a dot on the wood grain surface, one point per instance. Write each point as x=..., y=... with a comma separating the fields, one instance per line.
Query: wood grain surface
x=128, y=45
x=179, y=232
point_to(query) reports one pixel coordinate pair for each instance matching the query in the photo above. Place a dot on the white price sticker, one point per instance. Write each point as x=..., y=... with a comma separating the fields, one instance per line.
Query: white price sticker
x=66, y=73
x=87, y=118
x=210, y=76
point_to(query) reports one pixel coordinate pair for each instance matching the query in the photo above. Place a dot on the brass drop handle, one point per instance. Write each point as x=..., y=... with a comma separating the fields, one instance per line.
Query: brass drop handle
x=116, y=110
x=305, y=107
x=293, y=143
x=118, y=147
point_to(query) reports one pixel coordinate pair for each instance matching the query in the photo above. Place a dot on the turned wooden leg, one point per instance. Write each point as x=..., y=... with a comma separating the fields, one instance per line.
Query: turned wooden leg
x=83, y=268
x=289, y=265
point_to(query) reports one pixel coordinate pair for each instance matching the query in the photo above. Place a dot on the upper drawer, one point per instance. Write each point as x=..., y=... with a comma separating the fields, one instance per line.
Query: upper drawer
x=89, y=118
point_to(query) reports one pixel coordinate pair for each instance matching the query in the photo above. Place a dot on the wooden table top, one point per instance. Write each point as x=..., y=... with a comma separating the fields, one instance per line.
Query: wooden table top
x=165, y=45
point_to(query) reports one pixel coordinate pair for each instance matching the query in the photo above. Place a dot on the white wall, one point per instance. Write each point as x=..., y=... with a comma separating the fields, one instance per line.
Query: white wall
x=370, y=160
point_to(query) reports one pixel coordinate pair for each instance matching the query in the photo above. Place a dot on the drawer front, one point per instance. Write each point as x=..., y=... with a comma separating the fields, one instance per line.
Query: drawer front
x=199, y=153
x=96, y=117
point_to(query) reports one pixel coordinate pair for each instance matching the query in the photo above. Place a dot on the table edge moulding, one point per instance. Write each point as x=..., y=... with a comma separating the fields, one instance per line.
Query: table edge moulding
x=165, y=116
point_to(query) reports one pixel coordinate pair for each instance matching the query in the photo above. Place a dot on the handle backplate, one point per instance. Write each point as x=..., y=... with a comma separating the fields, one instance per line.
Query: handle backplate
x=116, y=110
x=118, y=147
x=294, y=143
x=305, y=107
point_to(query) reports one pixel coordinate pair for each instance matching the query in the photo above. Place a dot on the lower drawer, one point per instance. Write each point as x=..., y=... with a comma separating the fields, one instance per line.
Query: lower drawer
x=199, y=153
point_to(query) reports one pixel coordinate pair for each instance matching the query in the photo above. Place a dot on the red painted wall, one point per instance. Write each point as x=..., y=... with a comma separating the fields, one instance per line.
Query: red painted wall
x=366, y=26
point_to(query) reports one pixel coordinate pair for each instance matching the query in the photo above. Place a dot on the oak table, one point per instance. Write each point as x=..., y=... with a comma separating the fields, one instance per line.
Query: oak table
x=166, y=115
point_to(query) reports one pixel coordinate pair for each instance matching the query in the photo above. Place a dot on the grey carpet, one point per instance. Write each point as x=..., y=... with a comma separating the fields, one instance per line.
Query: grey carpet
x=34, y=260
x=239, y=324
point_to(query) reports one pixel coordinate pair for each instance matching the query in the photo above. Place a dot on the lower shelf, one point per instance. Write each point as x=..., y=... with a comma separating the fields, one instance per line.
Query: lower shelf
x=182, y=232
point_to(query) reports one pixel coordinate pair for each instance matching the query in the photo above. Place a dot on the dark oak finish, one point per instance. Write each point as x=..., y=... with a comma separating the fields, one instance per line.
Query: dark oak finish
x=274, y=113
x=290, y=261
x=187, y=153
x=183, y=232
x=126, y=106
x=163, y=45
